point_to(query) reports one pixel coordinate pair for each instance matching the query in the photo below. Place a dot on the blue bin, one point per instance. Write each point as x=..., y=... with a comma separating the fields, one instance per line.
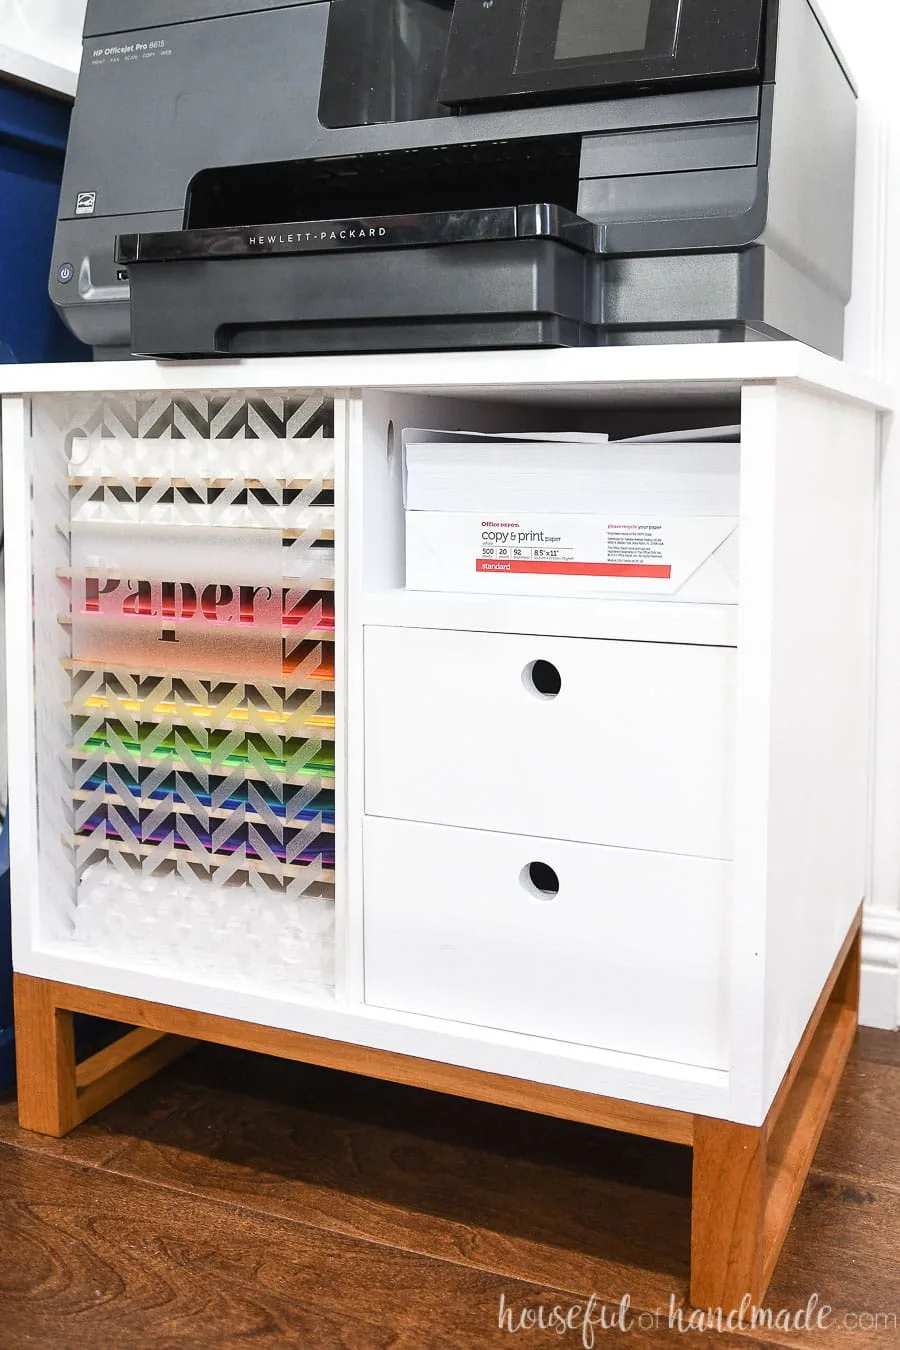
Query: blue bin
x=7, y=1043
x=34, y=129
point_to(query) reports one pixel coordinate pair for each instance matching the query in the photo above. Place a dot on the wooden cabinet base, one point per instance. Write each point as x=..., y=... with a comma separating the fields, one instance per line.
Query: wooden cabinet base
x=746, y=1180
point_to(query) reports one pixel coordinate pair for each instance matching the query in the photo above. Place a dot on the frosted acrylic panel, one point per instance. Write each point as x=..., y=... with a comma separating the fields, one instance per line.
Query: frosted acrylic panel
x=184, y=647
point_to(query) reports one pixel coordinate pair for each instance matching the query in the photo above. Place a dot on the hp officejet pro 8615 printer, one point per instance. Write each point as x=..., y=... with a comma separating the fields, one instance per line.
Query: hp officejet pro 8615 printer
x=265, y=177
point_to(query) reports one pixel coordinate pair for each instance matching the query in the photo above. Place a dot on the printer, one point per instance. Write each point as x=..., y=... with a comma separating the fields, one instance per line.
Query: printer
x=274, y=177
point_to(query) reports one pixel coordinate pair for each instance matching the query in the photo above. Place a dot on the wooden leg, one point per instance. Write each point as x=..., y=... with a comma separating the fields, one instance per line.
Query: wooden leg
x=56, y=1094
x=45, y=1060
x=652, y=1122
x=798, y=1118
x=748, y=1180
x=728, y=1214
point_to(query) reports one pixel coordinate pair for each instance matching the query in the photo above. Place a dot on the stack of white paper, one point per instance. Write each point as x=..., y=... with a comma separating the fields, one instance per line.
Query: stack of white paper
x=673, y=480
x=564, y=514
x=697, y=435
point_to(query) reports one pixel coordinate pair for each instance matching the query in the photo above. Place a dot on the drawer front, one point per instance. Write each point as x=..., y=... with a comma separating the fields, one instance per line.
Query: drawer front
x=620, y=743
x=628, y=954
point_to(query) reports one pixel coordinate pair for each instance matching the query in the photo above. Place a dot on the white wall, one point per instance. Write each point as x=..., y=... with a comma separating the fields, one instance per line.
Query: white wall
x=868, y=32
x=40, y=41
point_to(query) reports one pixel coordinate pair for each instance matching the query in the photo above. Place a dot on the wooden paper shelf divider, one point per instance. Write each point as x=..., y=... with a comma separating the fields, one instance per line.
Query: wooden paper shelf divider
x=322, y=537
x=209, y=860
x=285, y=682
x=182, y=808
x=287, y=583
x=218, y=484
x=326, y=773
x=322, y=729
x=295, y=634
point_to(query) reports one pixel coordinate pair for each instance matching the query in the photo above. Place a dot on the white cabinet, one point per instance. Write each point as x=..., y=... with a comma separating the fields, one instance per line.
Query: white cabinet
x=254, y=777
x=622, y=743
x=598, y=859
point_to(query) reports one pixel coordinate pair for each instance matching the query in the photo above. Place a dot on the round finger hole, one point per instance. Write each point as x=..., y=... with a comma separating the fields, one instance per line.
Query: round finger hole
x=543, y=679
x=540, y=880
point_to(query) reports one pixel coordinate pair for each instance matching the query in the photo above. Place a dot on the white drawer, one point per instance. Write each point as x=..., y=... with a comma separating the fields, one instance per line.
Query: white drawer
x=634, y=750
x=629, y=954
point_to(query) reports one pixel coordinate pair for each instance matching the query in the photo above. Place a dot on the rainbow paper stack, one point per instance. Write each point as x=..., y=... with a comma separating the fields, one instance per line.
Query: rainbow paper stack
x=201, y=615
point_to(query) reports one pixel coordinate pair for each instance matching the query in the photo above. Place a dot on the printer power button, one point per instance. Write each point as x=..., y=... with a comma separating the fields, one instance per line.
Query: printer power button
x=66, y=273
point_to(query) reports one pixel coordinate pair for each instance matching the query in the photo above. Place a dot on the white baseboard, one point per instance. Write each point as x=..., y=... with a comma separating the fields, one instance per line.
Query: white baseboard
x=880, y=996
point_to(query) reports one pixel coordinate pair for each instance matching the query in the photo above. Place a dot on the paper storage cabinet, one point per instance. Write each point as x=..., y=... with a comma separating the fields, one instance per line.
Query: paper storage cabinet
x=602, y=859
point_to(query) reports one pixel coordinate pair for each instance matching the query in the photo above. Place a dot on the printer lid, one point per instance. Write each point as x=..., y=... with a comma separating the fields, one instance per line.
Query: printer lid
x=107, y=17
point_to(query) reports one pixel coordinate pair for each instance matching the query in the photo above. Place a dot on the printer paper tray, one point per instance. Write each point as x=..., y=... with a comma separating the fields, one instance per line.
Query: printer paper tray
x=427, y=230
x=515, y=276
x=502, y=293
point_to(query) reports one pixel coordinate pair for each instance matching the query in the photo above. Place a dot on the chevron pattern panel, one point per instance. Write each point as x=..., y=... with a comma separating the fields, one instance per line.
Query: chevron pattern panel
x=193, y=597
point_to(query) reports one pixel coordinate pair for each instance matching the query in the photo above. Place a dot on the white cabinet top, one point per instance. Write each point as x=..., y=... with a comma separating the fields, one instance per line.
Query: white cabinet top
x=40, y=42
x=705, y=373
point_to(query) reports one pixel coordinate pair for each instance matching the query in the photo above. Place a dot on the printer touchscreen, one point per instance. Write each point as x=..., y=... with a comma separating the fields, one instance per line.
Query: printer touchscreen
x=586, y=30
x=600, y=27
x=408, y=60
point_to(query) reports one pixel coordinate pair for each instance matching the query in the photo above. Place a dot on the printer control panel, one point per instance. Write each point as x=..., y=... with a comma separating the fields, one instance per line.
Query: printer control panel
x=406, y=60
x=507, y=52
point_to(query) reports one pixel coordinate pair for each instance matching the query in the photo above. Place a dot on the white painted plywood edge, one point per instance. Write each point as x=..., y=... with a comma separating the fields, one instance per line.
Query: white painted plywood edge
x=33, y=70
x=717, y=365
x=605, y=1073
x=823, y=373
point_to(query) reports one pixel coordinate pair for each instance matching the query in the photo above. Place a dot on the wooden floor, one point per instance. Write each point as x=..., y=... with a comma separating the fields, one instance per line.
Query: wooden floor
x=242, y=1201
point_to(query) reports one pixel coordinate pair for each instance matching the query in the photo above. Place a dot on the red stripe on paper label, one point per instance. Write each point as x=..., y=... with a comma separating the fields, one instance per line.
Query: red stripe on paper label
x=648, y=571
